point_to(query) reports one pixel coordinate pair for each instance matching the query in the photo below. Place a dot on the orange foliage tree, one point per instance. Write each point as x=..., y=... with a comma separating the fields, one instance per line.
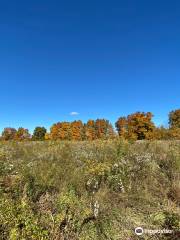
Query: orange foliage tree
x=89, y=129
x=77, y=130
x=136, y=126
x=61, y=130
x=103, y=129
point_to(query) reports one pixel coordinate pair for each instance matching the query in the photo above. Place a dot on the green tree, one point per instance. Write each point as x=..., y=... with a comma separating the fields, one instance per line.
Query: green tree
x=39, y=133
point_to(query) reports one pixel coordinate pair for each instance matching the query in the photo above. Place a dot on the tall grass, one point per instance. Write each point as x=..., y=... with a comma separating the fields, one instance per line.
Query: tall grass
x=89, y=190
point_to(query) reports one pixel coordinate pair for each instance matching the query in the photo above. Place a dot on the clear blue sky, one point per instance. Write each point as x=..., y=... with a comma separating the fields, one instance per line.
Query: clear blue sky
x=102, y=59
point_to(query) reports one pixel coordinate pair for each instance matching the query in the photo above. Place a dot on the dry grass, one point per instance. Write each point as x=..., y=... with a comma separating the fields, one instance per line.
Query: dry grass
x=88, y=190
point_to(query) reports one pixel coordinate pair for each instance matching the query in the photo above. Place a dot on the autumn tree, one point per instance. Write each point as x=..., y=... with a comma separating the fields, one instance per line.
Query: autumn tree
x=174, y=133
x=103, y=129
x=22, y=134
x=65, y=131
x=77, y=131
x=136, y=126
x=54, y=131
x=161, y=133
x=110, y=132
x=47, y=136
x=39, y=133
x=122, y=126
x=9, y=133
x=89, y=129
x=61, y=130
x=174, y=119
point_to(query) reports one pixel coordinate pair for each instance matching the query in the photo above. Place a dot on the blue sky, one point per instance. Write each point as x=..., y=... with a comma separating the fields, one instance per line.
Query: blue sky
x=102, y=59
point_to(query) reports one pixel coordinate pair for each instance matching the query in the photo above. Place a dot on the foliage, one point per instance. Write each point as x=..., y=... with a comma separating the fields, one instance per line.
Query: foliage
x=22, y=134
x=136, y=126
x=161, y=133
x=174, y=119
x=61, y=130
x=103, y=129
x=39, y=133
x=99, y=129
x=9, y=133
x=77, y=130
x=90, y=132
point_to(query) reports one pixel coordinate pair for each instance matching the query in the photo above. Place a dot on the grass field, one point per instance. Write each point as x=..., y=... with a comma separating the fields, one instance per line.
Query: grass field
x=89, y=190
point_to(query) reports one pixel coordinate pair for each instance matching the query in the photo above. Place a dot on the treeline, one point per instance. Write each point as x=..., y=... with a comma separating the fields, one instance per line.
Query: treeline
x=136, y=126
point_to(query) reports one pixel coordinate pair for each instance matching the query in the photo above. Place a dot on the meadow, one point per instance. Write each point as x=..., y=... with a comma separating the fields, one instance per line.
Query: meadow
x=98, y=190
